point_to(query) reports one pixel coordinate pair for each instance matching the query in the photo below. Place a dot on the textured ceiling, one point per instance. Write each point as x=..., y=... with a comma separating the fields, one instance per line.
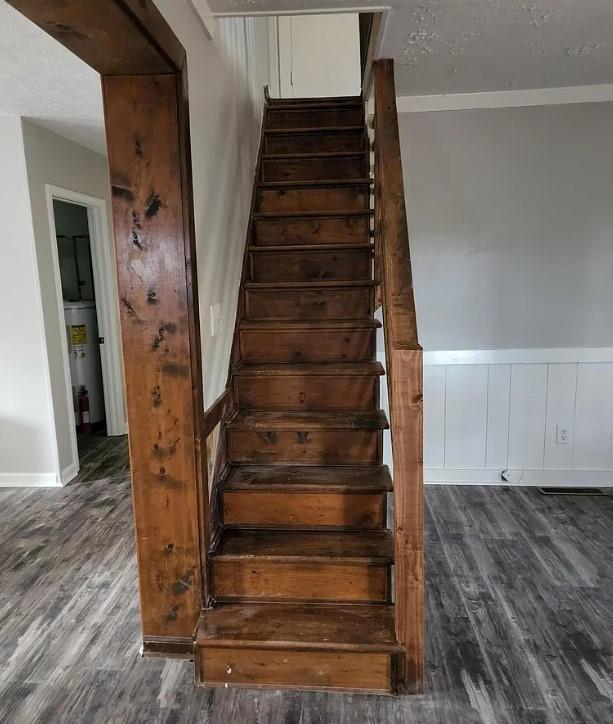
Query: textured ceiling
x=461, y=46
x=42, y=81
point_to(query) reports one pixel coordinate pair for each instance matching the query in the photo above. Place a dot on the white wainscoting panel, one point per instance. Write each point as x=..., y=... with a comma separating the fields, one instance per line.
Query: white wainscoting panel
x=487, y=412
x=498, y=401
x=434, y=416
x=465, y=416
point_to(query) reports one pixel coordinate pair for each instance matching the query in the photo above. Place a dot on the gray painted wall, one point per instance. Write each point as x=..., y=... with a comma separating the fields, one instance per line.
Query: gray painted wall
x=511, y=223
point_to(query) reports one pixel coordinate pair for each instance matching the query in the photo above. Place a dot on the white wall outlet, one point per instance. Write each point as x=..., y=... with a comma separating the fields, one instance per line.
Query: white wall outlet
x=215, y=315
x=562, y=435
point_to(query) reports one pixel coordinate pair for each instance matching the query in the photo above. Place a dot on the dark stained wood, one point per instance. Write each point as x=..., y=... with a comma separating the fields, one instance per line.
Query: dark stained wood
x=314, y=117
x=313, y=166
x=315, y=140
x=404, y=375
x=300, y=580
x=305, y=670
x=314, y=228
x=215, y=413
x=282, y=196
x=323, y=546
x=309, y=300
x=308, y=387
x=311, y=263
x=346, y=477
x=298, y=626
x=291, y=509
x=323, y=341
x=143, y=140
x=115, y=37
x=318, y=420
x=309, y=447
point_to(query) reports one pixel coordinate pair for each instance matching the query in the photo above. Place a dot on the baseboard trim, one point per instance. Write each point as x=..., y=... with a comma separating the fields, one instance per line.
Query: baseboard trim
x=70, y=472
x=520, y=478
x=29, y=480
x=168, y=647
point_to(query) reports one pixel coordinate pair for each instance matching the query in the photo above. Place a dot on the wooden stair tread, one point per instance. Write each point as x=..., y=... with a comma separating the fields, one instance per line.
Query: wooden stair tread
x=364, y=546
x=362, y=213
x=309, y=324
x=327, y=155
x=315, y=369
x=316, y=129
x=355, y=478
x=364, y=246
x=315, y=284
x=308, y=420
x=315, y=183
x=296, y=626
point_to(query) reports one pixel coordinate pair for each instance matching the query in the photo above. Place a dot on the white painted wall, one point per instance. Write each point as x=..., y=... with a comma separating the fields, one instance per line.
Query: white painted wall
x=511, y=226
x=54, y=160
x=27, y=443
x=319, y=55
x=226, y=79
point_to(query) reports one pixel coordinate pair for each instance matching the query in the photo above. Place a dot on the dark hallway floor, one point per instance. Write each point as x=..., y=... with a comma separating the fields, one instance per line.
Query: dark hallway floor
x=519, y=614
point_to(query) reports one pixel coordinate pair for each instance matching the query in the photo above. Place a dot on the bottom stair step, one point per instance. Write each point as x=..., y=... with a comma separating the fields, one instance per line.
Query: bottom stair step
x=350, y=648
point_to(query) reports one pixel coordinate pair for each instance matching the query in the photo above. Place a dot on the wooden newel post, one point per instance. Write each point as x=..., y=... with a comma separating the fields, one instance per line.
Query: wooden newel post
x=405, y=379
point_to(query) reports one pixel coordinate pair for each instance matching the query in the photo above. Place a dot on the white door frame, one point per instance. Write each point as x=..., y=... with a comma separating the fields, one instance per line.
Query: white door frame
x=105, y=288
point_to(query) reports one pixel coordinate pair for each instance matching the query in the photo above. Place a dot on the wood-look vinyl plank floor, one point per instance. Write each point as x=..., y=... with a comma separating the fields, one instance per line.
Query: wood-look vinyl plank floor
x=519, y=614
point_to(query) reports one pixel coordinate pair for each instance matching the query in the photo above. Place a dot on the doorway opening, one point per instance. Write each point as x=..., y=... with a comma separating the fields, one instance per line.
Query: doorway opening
x=320, y=55
x=86, y=295
x=82, y=334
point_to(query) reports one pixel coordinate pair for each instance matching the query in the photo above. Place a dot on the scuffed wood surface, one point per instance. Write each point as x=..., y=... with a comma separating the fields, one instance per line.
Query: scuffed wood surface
x=158, y=347
x=404, y=377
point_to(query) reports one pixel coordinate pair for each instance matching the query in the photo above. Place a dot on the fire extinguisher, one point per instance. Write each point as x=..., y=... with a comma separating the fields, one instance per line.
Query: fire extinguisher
x=85, y=424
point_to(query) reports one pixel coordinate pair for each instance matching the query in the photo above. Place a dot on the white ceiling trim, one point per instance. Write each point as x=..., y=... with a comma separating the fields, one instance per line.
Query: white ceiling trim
x=506, y=99
x=303, y=11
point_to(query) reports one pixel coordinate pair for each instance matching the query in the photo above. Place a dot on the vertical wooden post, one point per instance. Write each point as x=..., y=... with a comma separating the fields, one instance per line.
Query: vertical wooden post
x=144, y=78
x=404, y=377
x=161, y=347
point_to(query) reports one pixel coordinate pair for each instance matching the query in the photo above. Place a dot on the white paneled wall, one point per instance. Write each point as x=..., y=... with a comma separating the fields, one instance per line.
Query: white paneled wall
x=544, y=416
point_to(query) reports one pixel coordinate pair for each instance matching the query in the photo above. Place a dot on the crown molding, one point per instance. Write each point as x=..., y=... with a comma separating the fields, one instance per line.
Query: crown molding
x=506, y=99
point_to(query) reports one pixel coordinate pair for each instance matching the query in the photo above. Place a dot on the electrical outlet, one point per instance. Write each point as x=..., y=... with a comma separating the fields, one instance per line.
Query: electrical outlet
x=215, y=315
x=562, y=436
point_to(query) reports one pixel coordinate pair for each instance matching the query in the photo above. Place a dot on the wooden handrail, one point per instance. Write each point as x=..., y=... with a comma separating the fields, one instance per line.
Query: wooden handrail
x=404, y=377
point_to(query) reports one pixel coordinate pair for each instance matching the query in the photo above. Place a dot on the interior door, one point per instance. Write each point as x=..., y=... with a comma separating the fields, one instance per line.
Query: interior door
x=319, y=55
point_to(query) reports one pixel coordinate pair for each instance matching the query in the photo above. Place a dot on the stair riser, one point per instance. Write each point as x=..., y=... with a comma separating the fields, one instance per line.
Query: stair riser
x=309, y=304
x=340, y=345
x=311, y=118
x=300, y=509
x=308, y=393
x=303, y=266
x=277, y=232
x=314, y=447
x=321, y=670
x=337, y=142
x=316, y=169
x=332, y=198
x=260, y=579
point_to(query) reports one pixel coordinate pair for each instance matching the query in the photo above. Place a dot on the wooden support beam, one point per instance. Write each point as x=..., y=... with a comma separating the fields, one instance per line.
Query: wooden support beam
x=144, y=79
x=115, y=37
x=404, y=376
x=159, y=342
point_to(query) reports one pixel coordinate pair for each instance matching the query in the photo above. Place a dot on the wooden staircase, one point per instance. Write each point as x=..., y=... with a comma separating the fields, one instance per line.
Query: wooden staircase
x=300, y=567
x=301, y=573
